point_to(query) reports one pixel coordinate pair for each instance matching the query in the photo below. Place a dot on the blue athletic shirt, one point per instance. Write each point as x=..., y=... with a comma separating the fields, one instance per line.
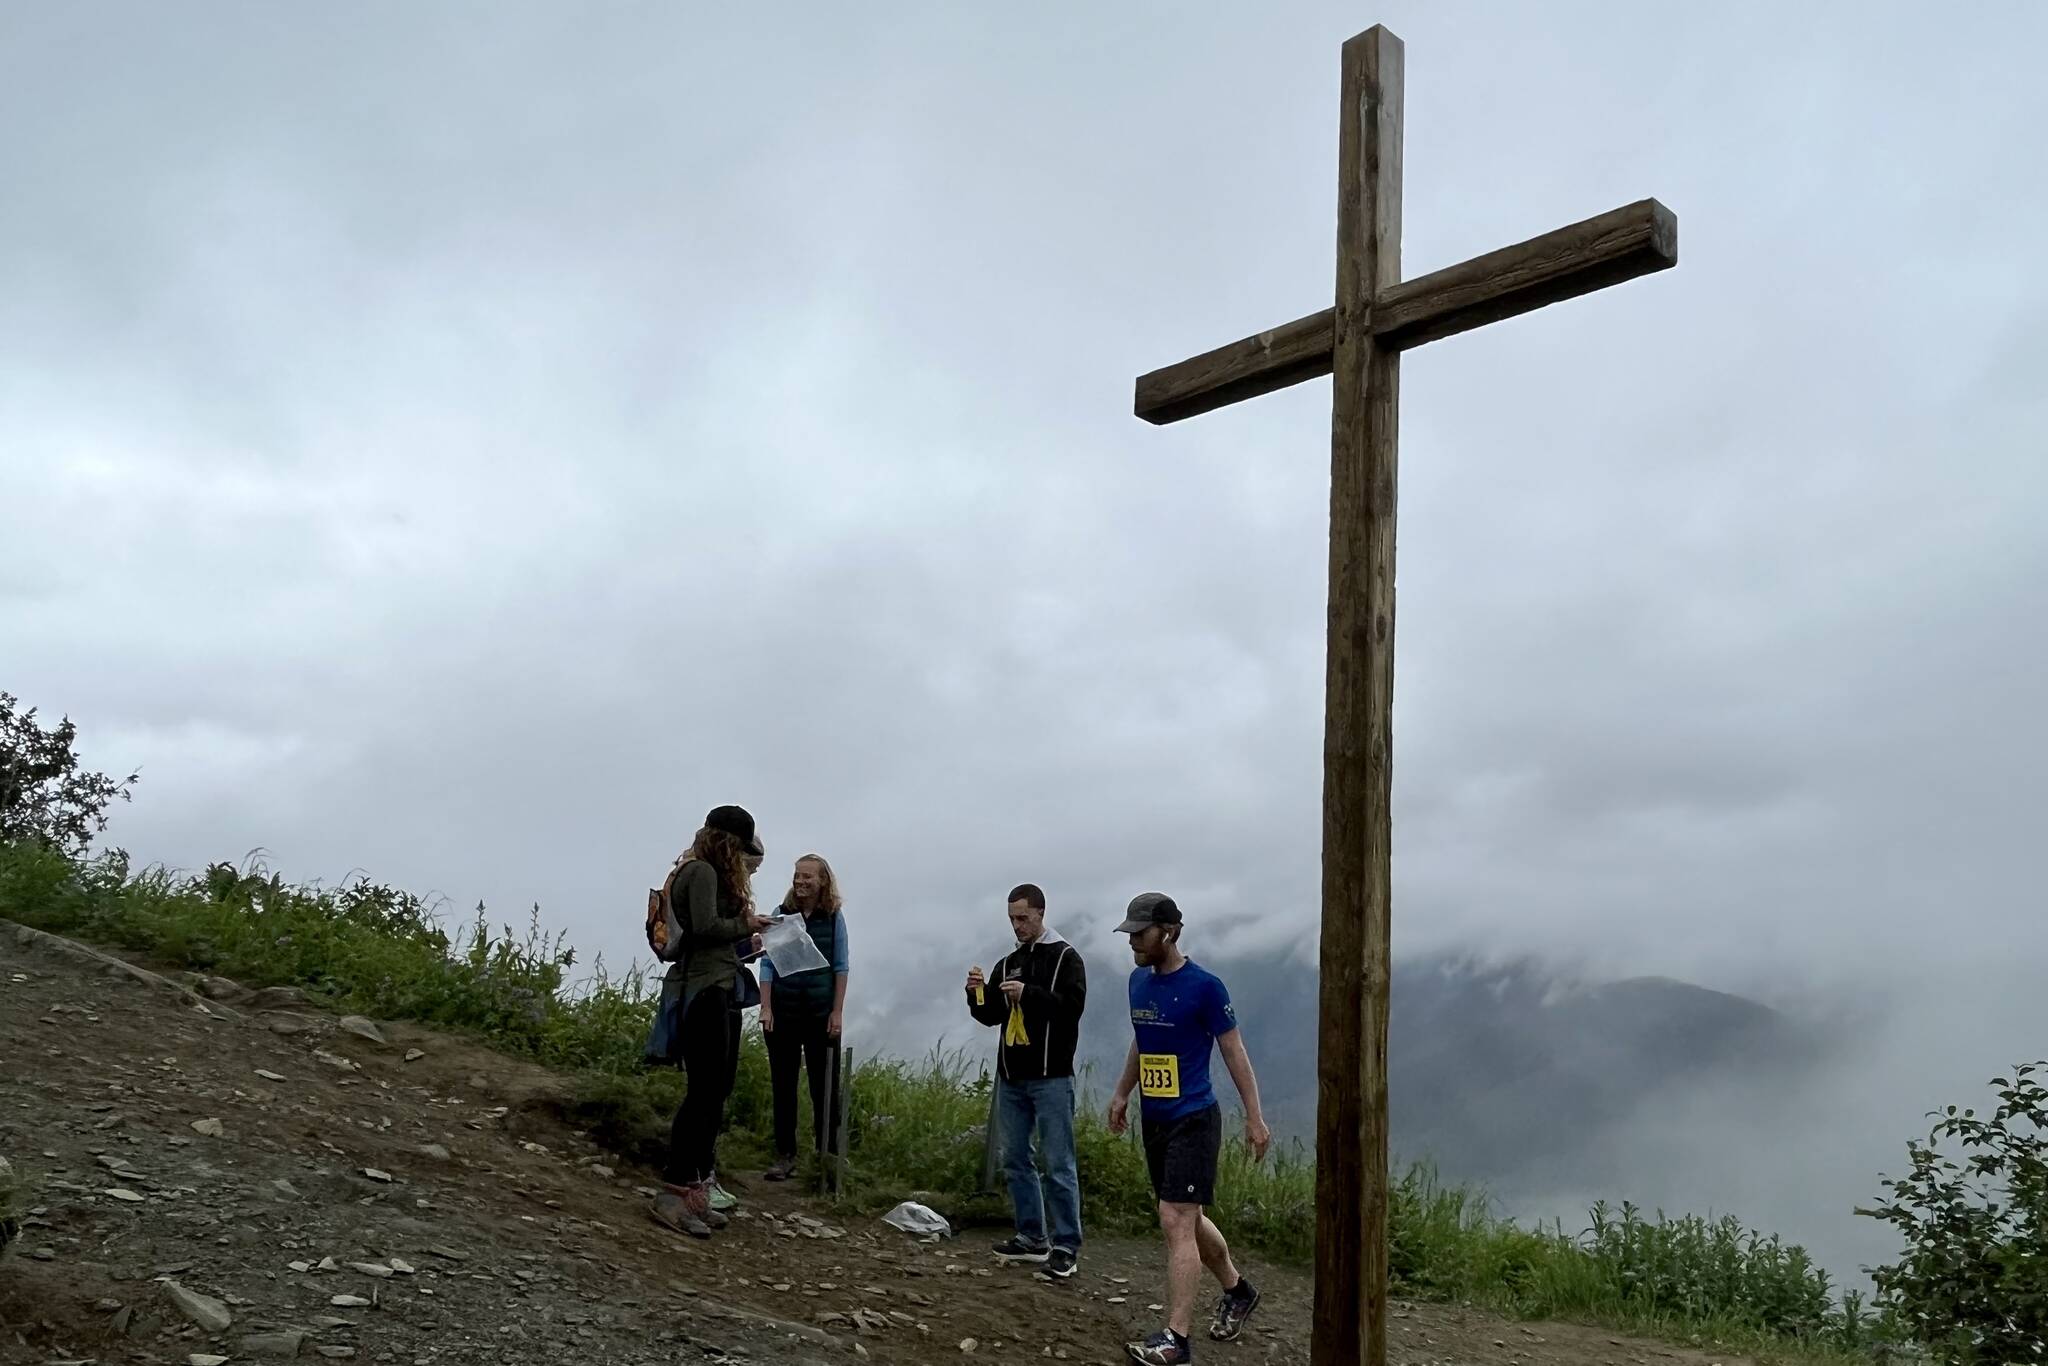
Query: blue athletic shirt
x=1176, y=1017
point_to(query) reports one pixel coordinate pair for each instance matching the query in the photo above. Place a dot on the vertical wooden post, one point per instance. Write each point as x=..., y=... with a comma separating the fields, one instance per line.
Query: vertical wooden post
x=1349, y=1327
x=842, y=1137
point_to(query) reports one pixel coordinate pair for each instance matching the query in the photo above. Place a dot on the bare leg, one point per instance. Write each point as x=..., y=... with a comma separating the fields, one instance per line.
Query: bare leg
x=1216, y=1253
x=1182, y=1224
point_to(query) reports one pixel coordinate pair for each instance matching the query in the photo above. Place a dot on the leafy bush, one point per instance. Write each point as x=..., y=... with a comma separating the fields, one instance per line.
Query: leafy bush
x=1973, y=1282
x=43, y=795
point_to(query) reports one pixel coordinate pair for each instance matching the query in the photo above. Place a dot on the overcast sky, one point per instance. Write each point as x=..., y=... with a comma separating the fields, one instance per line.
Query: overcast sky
x=465, y=442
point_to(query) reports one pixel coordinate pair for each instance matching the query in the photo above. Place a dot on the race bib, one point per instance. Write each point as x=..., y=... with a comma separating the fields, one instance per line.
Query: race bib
x=1159, y=1075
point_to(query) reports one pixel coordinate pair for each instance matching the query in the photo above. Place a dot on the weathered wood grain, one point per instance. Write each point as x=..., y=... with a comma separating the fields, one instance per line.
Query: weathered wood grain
x=1349, y=1325
x=1259, y=364
x=1616, y=246
x=1621, y=244
x=1358, y=342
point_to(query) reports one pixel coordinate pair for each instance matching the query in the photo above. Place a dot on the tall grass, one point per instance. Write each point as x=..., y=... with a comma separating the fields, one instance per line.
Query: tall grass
x=915, y=1126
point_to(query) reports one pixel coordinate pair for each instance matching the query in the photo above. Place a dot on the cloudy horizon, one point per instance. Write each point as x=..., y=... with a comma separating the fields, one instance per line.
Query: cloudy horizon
x=464, y=444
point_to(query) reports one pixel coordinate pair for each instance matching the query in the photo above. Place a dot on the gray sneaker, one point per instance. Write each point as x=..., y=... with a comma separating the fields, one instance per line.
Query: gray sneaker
x=1233, y=1309
x=672, y=1211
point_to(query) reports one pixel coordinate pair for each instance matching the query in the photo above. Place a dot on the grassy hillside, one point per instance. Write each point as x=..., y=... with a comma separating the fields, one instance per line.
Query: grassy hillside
x=915, y=1124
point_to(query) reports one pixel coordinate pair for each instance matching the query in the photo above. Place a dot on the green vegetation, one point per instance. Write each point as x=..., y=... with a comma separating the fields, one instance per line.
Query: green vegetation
x=1973, y=1283
x=915, y=1126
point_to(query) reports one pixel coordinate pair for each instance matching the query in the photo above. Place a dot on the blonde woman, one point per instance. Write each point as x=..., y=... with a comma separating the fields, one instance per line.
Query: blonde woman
x=712, y=891
x=801, y=1013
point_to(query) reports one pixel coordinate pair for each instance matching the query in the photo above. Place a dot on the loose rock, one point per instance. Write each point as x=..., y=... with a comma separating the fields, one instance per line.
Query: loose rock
x=285, y=1344
x=204, y=1310
x=209, y=1128
x=362, y=1027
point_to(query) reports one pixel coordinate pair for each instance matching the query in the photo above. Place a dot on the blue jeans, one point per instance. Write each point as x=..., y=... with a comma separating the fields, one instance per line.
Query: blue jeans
x=1047, y=1106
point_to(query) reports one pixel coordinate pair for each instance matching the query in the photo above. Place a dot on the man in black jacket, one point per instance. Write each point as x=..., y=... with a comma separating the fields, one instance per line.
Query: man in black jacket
x=1035, y=995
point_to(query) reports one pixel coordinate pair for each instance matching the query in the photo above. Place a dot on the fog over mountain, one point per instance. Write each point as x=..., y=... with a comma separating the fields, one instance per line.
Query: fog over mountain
x=465, y=442
x=1552, y=1090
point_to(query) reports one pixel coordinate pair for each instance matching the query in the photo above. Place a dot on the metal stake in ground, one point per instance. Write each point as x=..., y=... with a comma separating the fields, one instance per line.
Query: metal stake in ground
x=1358, y=342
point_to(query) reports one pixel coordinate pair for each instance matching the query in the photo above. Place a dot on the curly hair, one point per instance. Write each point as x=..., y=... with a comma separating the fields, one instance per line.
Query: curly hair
x=728, y=858
x=828, y=885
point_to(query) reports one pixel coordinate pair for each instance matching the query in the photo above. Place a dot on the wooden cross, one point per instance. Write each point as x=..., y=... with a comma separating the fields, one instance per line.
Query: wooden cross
x=1359, y=342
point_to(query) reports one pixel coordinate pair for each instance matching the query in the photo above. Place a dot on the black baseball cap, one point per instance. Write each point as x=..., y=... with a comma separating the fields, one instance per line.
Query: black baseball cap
x=738, y=822
x=1148, y=909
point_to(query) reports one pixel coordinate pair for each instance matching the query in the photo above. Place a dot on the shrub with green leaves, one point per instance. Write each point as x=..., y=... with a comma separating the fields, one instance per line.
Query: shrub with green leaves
x=44, y=795
x=1973, y=1282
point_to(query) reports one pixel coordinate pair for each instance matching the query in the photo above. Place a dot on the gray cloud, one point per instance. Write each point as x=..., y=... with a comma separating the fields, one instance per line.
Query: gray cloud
x=465, y=444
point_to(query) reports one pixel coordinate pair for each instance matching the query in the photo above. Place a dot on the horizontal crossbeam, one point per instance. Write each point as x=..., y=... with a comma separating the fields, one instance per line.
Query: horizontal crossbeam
x=1636, y=239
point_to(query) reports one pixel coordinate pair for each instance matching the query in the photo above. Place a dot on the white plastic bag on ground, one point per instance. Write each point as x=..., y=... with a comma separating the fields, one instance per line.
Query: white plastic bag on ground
x=788, y=945
x=918, y=1219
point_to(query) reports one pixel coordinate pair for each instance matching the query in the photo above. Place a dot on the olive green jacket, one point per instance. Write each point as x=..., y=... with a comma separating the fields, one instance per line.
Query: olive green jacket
x=712, y=924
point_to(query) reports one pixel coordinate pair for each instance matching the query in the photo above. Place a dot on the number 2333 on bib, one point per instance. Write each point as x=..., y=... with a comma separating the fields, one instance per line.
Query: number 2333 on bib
x=1159, y=1075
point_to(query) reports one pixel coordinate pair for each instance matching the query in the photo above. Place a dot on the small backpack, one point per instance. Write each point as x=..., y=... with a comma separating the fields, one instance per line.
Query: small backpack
x=664, y=928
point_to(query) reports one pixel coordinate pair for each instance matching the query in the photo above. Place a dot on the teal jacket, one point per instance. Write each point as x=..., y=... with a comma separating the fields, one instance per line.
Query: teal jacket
x=811, y=993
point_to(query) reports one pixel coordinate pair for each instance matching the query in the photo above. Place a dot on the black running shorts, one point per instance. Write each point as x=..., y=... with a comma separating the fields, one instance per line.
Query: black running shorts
x=1181, y=1155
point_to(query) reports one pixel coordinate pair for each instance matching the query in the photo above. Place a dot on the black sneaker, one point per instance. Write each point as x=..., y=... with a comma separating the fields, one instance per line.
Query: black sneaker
x=1233, y=1309
x=1015, y=1249
x=1060, y=1264
x=1163, y=1348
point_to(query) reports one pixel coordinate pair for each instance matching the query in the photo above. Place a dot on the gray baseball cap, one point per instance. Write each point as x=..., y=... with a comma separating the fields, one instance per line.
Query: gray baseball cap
x=1148, y=909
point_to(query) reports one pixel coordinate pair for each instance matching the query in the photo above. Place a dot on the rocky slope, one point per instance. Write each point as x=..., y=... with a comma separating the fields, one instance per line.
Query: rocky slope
x=233, y=1176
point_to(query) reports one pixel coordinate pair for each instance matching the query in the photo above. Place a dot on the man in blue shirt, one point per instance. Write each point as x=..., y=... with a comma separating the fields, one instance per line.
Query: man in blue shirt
x=1178, y=1010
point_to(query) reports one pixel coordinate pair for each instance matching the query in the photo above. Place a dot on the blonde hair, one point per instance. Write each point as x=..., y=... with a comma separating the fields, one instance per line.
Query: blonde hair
x=828, y=885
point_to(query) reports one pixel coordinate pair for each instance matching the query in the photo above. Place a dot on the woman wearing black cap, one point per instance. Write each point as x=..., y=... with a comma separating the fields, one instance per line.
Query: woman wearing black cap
x=711, y=890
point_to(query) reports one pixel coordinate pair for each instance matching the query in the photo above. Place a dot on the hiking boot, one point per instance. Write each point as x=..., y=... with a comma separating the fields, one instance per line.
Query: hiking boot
x=673, y=1211
x=1061, y=1264
x=720, y=1199
x=1015, y=1249
x=1163, y=1348
x=1233, y=1309
x=696, y=1198
x=784, y=1168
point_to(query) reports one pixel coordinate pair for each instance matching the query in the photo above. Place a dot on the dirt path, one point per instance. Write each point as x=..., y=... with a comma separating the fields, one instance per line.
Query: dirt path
x=411, y=1202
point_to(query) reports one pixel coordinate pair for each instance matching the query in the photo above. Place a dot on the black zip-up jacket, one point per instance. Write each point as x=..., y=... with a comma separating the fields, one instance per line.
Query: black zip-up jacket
x=1055, y=993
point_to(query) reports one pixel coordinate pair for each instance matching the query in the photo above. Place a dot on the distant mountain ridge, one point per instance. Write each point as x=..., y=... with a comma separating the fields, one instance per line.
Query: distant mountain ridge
x=1510, y=1075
